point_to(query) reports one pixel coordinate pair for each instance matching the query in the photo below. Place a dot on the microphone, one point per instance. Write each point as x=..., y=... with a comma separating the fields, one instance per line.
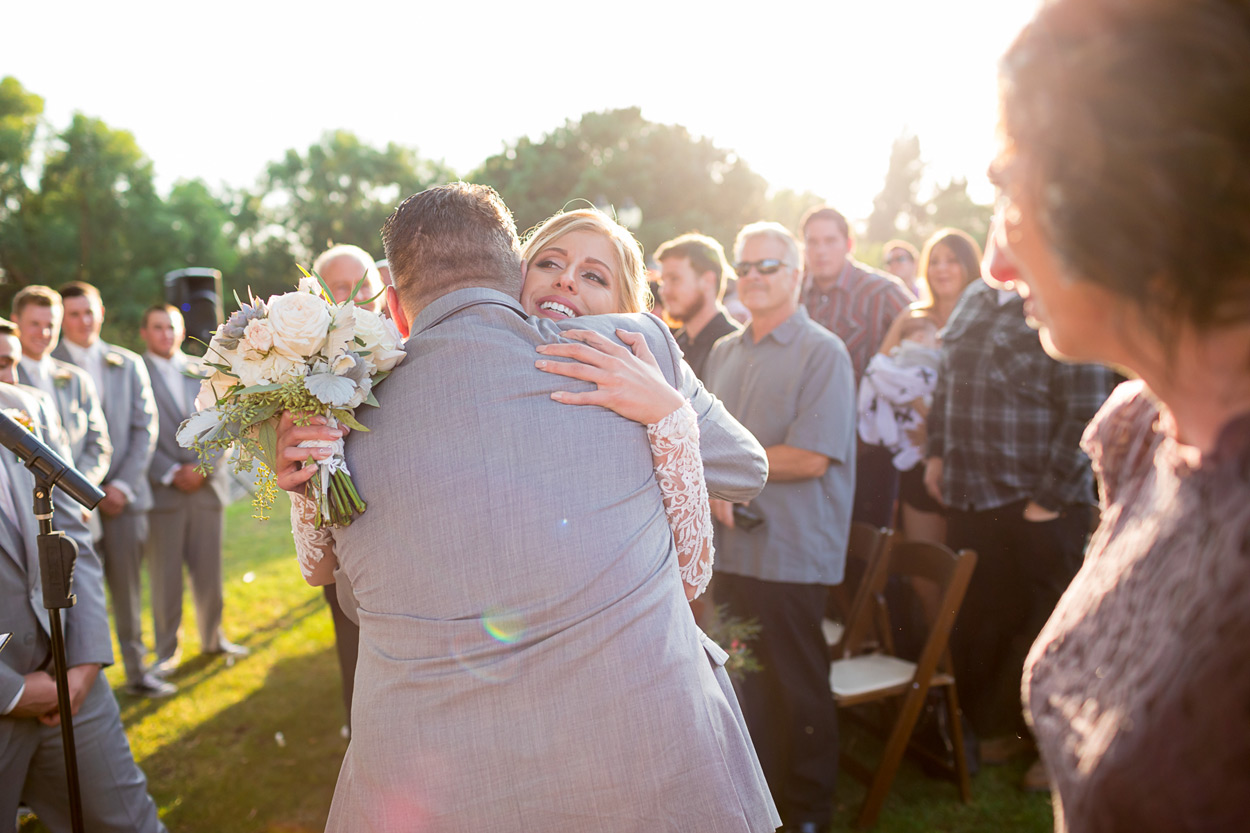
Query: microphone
x=46, y=464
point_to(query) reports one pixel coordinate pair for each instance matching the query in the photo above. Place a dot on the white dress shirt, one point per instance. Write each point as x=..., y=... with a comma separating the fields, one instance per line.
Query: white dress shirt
x=90, y=359
x=41, y=372
x=170, y=371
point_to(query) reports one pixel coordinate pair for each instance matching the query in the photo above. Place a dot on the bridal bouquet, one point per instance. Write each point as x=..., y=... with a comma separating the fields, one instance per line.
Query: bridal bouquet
x=297, y=352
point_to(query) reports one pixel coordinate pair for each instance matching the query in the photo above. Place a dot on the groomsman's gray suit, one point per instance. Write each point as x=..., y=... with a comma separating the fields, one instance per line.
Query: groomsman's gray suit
x=32, y=767
x=78, y=405
x=130, y=413
x=183, y=527
x=528, y=660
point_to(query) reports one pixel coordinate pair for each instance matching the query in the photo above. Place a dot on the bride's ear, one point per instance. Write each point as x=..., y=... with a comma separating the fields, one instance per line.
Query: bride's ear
x=397, y=311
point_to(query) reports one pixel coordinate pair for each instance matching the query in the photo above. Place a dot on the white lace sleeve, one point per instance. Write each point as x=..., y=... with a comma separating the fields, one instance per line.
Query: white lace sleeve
x=312, y=545
x=679, y=471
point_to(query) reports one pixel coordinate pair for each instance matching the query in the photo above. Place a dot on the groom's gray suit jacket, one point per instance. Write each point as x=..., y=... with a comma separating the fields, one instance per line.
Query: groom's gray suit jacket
x=527, y=657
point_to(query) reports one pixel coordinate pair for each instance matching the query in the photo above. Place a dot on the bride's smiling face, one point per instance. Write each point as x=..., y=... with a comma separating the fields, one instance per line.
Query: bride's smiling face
x=573, y=275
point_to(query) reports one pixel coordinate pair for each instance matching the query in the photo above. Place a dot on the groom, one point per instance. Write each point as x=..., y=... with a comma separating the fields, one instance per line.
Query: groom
x=527, y=657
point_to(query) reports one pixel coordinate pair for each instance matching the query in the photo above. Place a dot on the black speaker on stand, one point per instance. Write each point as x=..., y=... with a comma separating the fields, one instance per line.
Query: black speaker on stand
x=197, y=293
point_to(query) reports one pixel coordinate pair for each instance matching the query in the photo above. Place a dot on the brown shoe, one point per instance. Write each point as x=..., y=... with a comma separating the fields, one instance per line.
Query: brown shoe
x=1005, y=749
x=1036, y=779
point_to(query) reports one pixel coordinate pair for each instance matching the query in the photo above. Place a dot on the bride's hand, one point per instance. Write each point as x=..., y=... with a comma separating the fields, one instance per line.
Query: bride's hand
x=291, y=473
x=629, y=380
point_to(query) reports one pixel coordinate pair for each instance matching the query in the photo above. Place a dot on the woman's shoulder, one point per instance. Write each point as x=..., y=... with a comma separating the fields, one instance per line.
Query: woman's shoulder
x=1122, y=435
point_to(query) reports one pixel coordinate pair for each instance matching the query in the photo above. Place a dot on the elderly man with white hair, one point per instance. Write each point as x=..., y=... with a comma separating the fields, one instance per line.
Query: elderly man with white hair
x=342, y=267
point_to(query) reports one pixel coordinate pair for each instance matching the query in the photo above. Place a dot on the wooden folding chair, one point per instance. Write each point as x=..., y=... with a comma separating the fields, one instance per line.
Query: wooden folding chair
x=868, y=678
x=866, y=624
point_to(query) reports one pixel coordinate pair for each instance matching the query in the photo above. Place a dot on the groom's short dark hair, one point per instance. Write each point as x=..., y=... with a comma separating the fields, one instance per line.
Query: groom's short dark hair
x=451, y=237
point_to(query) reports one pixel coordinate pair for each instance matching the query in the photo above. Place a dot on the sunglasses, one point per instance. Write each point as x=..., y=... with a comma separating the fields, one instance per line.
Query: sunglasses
x=890, y=261
x=767, y=266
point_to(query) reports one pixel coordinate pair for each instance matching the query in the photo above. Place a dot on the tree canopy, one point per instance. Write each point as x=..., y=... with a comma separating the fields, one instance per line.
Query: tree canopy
x=81, y=203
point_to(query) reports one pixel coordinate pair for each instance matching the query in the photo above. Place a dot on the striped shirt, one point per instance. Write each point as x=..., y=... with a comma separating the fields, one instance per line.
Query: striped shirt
x=858, y=308
x=1007, y=419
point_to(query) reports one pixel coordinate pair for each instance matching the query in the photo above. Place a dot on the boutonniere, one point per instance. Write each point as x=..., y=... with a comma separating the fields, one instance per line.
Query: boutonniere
x=20, y=417
x=61, y=377
x=113, y=359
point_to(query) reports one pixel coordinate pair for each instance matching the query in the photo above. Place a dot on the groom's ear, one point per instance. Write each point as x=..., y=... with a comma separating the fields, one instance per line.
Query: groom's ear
x=397, y=311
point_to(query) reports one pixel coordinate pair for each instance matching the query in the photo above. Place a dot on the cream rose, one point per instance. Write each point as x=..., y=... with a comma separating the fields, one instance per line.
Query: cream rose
x=381, y=337
x=258, y=335
x=298, y=322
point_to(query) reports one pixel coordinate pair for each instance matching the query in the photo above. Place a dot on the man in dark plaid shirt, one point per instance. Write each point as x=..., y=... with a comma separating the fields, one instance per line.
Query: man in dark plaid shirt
x=1004, y=456
x=857, y=304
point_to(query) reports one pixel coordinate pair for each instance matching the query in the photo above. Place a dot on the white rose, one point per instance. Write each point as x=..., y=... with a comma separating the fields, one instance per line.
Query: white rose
x=299, y=322
x=391, y=351
x=369, y=328
x=381, y=338
x=250, y=372
x=258, y=336
x=280, y=369
x=310, y=285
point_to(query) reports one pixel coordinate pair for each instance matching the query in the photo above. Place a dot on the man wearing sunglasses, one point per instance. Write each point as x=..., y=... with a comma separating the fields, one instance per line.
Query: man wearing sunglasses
x=903, y=261
x=857, y=304
x=789, y=382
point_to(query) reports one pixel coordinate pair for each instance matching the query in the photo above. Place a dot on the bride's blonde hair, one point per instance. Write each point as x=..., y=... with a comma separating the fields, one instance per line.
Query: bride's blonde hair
x=632, y=292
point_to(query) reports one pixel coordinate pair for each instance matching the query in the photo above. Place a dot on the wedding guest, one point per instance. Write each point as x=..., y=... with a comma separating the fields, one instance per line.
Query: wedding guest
x=187, y=519
x=903, y=262
x=130, y=414
x=1004, y=458
x=32, y=759
x=790, y=382
x=1126, y=225
x=857, y=304
x=951, y=261
x=344, y=268
x=693, y=272
x=37, y=312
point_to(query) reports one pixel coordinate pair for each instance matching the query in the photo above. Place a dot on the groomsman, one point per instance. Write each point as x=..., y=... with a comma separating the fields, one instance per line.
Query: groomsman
x=186, y=521
x=130, y=413
x=32, y=769
x=37, y=313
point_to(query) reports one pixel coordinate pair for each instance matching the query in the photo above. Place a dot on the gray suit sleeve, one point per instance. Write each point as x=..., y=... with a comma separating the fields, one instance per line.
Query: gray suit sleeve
x=734, y=463
x=97, y=449
x=87, y=638
x=134, y=469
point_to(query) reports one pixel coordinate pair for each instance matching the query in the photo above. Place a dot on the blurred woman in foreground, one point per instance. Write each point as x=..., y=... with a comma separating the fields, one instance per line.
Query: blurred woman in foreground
x=1125, y=174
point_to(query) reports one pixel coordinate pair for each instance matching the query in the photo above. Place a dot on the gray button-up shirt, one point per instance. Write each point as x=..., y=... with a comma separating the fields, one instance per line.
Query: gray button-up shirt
x=795, y=387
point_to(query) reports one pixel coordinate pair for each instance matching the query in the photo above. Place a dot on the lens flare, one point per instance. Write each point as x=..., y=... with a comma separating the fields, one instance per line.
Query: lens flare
x=503, y=626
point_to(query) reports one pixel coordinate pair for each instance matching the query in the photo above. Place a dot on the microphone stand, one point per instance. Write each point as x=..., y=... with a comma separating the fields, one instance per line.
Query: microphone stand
x=57, y=556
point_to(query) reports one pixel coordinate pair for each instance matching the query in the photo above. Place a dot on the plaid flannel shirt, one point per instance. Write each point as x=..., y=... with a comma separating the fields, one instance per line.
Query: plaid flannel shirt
x=1007, y=419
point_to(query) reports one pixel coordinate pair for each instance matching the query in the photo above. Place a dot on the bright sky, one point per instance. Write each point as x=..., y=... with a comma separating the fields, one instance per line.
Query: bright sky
x=810, y=94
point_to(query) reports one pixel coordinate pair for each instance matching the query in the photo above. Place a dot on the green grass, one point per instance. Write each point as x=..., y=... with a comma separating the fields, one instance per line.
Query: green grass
x=214, y=764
